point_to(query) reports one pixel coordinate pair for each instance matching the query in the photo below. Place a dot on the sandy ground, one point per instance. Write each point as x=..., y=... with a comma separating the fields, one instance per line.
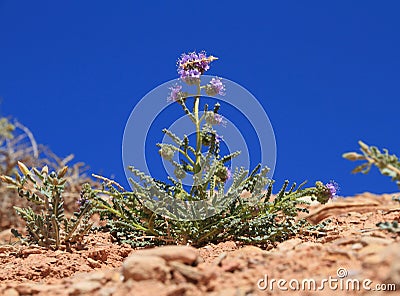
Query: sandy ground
x=350, y=254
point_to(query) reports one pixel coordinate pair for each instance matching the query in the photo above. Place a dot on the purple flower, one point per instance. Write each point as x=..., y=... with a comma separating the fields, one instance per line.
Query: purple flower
x=82, y=201
x=175, y=93
x=333, y=188
x=219, y=119
x=228, y=174
x=218, y=139
x=215, y=87
x=192, y=65
x=213, y=118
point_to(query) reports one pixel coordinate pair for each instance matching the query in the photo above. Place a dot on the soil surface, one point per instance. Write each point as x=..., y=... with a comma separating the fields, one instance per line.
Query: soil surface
x=352, y=251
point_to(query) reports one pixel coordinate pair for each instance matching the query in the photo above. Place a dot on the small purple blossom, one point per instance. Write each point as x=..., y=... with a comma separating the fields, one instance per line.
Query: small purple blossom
x=215, y=87
x=219, y=119
x=218, y=139
x=175, y=93
x=333, y=188
x=192, y=65
x=82, y=201
x=213, y=118
x=228, y=174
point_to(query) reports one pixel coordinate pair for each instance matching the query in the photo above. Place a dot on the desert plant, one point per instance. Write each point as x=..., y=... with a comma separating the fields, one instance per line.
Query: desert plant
x=17, y=143
x=258, y=219
x=388, y=164
x=157, y=212
x=47, y=227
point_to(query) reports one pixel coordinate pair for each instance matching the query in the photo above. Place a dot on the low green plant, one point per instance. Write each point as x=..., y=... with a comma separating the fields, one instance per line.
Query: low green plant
x=258, y=219
x=157, y=212
x=48, y=226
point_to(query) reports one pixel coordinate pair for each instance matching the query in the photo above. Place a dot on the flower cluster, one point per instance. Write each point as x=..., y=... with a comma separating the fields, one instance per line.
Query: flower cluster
x=213, y=118
x=223, y=173
x=166, y=152
x=192, y=65
x=333, y=188
x=175, y=94
x=215, y=87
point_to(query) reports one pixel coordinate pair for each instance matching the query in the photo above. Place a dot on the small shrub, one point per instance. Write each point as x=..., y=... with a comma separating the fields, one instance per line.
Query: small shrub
x=17, y=143
x=48, y=226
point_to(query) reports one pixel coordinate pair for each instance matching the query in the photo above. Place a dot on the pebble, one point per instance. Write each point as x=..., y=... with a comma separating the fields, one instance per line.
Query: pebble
x=141, y=268
x=357, y=246
x=289, y=244
x=248, y=250
x=30, y=251
x=93, y=263
x=84, y=287
x=184, y=254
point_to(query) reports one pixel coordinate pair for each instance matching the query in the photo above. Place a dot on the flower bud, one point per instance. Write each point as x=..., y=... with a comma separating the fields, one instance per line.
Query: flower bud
x=223, y=173
x=363, y=145
x=166, y=152
x=353, y=156
x=206, y=139
x=23, y=168
x=8, y=180
x=45, y=170
x=62, y=172
x=179, y=173
x=213, y=118
x=210, y=90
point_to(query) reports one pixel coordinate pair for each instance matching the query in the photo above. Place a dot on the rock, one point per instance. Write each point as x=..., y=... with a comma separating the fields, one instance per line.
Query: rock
x=355, y=214
x=371, y=249
x=139, y=268
x=231, y=265
x=307, y=245
x=357, y=246
x=107, y=291
x=31, y=251
x=189, y=272
x=289, y=244
x=345, y=241
x=11, y=292
x=184, y=254
x=370, y=240
x=99, y=254
x=7, y=237
x=93, y=263
x=84, y=287
x=248, y=250
x=389, y=257
x=7, y=248
x=220, y=258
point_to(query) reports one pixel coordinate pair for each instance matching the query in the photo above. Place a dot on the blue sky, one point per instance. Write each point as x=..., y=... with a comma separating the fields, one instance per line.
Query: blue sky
x=326, y=72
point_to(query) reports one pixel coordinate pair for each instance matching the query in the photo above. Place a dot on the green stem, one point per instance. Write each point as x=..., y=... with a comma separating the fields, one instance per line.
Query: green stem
x=186, y=155
x=198, y=135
